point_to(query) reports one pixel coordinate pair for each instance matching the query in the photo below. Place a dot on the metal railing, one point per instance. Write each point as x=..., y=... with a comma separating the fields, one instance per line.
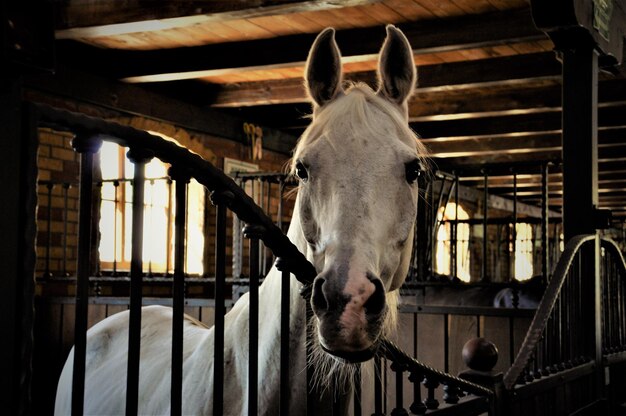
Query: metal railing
x=580, y=318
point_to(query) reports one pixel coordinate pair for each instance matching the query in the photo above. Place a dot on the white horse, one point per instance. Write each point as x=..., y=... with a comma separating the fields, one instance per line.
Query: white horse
x=354, y=216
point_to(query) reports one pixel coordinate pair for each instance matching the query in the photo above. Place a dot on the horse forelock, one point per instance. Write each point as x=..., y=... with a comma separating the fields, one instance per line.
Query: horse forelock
x=362, y=113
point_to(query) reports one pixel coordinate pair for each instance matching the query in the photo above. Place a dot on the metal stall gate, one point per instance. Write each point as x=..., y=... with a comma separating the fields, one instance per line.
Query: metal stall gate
x=226, y=194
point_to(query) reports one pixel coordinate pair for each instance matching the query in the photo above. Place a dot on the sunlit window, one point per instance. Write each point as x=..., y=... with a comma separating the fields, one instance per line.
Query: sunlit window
x=159, y=208
x=523, y=251
x=444, y=234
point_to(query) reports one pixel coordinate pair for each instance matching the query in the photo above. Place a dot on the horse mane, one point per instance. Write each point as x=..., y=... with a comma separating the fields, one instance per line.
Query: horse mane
x=358, y=106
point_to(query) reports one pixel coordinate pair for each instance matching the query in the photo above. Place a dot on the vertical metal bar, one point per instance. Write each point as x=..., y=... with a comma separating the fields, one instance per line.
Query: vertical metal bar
x=178, y=291
x=206, y=233
x=281, y=191
x=261, y=247
x=220, y=308
x=47, y=272
x=437, y=222
x=511, y=340
x=116, y=186
x=357, y=391
x=544, y=223
x=432, y=217
x=385, y=385
x=86, y=147
x=485, y=238
x=136, y=276
x=514, y=230
x=66, y=187
x=269, y=214
x=168, y=264
x=312, y=393
x=455, y=229
x=378, y=389
x=415, y=335
x=285, y=295
x=253, y=330
x=399, y=409
x=422, y=232
x=446, y=343
x=151, y=211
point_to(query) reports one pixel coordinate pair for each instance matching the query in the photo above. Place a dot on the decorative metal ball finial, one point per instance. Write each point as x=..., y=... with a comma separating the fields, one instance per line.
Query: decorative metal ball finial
x=480, y=354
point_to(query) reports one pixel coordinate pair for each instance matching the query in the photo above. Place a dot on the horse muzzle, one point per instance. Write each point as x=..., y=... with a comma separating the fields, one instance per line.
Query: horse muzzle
x=350, y=309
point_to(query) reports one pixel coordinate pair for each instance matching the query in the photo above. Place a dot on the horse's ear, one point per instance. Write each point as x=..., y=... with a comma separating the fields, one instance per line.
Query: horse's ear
x=396, y=69
x=323, y=68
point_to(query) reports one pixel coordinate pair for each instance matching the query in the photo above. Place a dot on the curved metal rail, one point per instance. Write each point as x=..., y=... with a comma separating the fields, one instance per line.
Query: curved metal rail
x=549, y=300
x=612, y=246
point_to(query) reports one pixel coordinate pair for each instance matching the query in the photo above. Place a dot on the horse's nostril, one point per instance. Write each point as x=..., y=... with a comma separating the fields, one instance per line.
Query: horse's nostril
x=376, y=302
x=318, y=300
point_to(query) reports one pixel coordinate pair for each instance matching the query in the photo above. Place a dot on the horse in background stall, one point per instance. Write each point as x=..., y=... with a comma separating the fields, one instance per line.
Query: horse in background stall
x=529, y=294
x=357, y=164
x=451, y=291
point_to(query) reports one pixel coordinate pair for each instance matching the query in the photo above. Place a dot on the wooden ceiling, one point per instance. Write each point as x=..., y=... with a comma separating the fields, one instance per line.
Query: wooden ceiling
x=488, y=90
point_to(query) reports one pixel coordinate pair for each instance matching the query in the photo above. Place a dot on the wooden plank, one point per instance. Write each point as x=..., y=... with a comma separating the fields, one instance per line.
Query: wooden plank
x=356, y=44
x=193, y=311
x=430, y=340
x=496, y=330
x=96, y=314
x=113, y=309
x=207, y=316
x=81, y=19
x=462, y=329
x=67, y=328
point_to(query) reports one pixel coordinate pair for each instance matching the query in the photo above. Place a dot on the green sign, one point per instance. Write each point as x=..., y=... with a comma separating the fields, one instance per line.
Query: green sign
x=602, y=10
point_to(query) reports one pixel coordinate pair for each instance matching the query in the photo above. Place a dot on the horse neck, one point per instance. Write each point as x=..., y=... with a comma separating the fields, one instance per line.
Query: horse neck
x=271, y=287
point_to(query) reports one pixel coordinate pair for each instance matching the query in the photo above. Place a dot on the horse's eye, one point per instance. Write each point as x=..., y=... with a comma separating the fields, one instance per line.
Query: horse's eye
x=301, y=171
x=412, y=171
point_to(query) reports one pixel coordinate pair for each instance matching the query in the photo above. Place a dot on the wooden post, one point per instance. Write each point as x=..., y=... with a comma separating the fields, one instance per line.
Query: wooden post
x=18, y=170
x=580, y=139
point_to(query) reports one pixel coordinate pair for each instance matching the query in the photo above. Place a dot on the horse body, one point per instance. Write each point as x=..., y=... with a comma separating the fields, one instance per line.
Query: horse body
x=353, y=219
x=106, y=362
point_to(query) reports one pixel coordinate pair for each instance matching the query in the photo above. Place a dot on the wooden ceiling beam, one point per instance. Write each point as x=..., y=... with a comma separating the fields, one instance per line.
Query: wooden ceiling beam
x=132, y=99
x=429, y=36
x=605, y=154
x=474, y=112
x=531, y=180
x=556, y=188
x=541, y=67
x=79, y=19
x=468, y=146
x=608, y=117
x=476, y=171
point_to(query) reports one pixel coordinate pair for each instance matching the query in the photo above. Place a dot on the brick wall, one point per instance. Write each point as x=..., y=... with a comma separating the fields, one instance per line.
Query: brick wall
x=58, y=204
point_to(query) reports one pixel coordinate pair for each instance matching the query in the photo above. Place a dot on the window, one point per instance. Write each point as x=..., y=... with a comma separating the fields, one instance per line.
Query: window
x=159, y=207
x=523, y=251
x=444, y=234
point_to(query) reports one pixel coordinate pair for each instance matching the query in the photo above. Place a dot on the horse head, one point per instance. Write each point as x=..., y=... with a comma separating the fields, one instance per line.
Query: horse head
x=358, y=164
